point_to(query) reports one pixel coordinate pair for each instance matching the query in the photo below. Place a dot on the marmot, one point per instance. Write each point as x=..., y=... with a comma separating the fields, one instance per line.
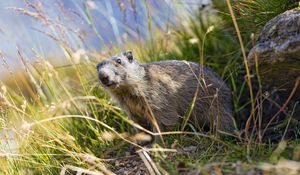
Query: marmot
x=166, y=91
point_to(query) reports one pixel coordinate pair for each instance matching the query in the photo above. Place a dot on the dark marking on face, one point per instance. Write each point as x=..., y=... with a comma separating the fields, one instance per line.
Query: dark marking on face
x=100, y=65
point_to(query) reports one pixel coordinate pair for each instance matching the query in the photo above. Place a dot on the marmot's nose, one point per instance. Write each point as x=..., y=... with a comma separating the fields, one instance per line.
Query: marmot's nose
x=104, y=78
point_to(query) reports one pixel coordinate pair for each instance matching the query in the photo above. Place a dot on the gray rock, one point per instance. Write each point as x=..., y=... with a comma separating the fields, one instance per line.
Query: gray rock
x=278, y=53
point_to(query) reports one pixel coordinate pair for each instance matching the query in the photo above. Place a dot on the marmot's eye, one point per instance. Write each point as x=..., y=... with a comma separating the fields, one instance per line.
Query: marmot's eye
x=119, y=61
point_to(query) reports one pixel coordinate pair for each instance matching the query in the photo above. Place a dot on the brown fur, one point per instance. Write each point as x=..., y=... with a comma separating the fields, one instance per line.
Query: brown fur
x=166, y=90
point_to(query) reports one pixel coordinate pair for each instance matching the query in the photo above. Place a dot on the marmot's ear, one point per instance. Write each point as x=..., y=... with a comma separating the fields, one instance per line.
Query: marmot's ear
x=129, y=55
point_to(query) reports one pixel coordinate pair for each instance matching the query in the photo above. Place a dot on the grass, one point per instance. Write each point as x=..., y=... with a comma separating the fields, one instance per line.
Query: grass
x=63, y=122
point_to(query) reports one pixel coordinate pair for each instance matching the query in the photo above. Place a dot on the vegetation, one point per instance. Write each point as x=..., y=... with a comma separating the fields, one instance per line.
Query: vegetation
x=61, y=121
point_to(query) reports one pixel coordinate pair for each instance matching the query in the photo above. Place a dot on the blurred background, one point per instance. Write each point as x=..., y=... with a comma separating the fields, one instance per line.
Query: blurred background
x=39, y=29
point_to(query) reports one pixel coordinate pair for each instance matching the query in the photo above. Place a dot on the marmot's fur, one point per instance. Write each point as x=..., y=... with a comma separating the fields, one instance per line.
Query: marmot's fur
x=165, y=90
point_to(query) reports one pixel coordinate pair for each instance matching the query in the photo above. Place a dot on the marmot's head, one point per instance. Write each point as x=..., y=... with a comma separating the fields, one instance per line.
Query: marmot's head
x=120, y=70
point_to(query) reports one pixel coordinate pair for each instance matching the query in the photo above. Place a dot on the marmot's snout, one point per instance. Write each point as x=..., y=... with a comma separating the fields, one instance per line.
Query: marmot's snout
x=105, y=75
x=104, y=78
